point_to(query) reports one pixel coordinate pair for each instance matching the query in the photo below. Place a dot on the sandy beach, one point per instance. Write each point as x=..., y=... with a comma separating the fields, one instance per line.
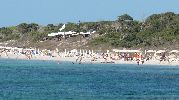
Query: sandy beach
x=84, y=59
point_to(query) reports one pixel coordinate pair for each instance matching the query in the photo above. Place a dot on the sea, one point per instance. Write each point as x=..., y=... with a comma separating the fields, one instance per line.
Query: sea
x=52, y=80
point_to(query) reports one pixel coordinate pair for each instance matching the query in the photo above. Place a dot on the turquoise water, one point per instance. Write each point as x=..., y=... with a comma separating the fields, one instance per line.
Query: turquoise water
x=48, y=80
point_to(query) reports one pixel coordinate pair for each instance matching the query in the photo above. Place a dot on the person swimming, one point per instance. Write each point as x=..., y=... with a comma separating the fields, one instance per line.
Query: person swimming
x=58, y=62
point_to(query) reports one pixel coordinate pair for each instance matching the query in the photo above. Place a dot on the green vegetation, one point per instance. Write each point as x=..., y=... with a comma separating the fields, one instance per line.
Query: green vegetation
x=157, y=30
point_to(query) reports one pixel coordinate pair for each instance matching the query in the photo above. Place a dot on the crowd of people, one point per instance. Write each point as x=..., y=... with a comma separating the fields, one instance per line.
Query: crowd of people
x=80, y=56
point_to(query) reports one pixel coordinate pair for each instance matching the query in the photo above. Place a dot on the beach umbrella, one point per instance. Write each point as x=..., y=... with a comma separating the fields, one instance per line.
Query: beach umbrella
x=35, y=51
x=83, y=51
x=160, y=51
x=38, y=51
x=86, y=51
x=65, y=51
x=107, y=52
x=130, y=51
x=92, y=51
x=150, y=51
x=8, y=48
x=89, y=52
x=115, y=50
x=74, y=51
x=1, y=47
x=174, y=51
x=80, y=51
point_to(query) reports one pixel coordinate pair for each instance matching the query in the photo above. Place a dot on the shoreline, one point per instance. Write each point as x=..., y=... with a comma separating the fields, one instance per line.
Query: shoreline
x=91, y=57
x=88, y=60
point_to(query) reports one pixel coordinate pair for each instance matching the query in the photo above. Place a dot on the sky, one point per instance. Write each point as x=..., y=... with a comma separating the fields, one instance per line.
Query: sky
x=43, y=12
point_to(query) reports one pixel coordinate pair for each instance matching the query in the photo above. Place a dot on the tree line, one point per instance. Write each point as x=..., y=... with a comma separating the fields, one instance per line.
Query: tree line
x=156, y=30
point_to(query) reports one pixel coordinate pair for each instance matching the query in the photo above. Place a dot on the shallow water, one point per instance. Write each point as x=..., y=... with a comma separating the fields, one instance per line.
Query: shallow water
x=39, y=80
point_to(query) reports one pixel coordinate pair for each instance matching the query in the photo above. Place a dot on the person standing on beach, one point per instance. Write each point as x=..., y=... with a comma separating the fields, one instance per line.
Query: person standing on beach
x=163, y=57
x=79, y=58
x=138, y=61
x=142, y=59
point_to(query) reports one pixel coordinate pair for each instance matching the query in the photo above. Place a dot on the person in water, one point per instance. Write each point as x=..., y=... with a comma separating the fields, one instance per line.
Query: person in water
x=58, y=62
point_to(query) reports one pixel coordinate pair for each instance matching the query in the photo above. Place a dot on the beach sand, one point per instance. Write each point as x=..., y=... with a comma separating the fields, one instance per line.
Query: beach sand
x=84, y=59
